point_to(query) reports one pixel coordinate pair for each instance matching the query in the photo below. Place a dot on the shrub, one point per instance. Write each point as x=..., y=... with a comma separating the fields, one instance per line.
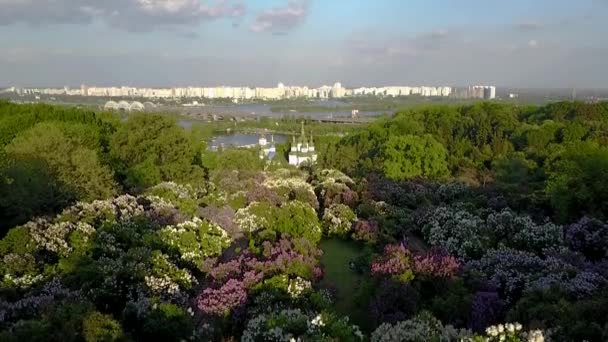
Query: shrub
x=98, y=327
x=366, y=231
x=338, y=220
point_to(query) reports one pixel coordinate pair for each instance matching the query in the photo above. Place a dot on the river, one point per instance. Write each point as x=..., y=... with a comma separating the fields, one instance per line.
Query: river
x=241, y=140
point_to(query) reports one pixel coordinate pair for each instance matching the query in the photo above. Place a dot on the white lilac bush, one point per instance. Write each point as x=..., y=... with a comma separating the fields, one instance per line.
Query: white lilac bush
x=297, y=325
x=251, y=218
x=521, y=232
x=423, y=327
x=338, y=220
x=456, y=230
x=196, y=240
x=513, y=332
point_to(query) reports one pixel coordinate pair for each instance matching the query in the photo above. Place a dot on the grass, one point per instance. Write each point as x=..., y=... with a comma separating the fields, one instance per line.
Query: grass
x=337, y=254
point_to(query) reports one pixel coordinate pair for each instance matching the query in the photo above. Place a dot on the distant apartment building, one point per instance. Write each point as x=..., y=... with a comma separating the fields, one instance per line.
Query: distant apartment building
x=281, y=91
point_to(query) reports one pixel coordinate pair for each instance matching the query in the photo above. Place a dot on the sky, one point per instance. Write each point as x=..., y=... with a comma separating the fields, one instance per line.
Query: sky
x=514, y=43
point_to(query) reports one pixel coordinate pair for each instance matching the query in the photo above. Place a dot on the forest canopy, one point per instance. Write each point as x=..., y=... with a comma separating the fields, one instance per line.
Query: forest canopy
x=482, y=222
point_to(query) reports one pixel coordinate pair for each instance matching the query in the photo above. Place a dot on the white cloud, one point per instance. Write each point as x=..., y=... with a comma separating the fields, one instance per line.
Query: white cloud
x=133, y=15
x=282, y=19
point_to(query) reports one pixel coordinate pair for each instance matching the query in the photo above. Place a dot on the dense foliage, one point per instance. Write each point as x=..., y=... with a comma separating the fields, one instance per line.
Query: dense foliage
x=483, y=222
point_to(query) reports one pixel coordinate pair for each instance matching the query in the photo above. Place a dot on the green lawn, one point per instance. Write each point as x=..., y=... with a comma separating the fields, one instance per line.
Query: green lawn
x=337, y=254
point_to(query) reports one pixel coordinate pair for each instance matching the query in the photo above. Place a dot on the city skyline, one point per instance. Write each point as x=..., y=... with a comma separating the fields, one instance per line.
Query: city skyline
x=538, y=44
x=281, y=91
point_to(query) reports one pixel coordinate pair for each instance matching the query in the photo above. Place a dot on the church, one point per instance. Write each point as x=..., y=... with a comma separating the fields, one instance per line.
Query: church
x=303, y=151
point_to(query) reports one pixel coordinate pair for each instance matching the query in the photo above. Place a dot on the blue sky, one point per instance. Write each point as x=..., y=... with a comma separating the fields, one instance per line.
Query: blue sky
x=521, y=43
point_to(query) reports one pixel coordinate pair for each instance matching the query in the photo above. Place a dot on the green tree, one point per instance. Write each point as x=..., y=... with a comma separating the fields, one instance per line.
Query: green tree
x=411, y=156
x=149, y=149
x=75, y=165
x=49, y=166
x=577, y=182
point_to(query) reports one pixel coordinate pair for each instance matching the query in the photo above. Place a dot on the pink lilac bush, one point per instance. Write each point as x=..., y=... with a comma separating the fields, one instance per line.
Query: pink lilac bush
x=397, y=260
x=366, y=231
x=437, y=263
x=229, y=281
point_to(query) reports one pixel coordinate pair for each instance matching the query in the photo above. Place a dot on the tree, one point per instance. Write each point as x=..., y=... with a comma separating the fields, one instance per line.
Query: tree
x=149, y=149
x=412, y=156
x=50, y=166
x=577, y=183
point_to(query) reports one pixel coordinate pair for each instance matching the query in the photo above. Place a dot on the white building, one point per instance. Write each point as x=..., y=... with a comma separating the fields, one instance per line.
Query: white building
x=303, y=151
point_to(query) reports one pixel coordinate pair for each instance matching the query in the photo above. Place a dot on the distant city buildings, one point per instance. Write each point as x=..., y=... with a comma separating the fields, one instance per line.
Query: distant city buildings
x=475, y=92
x=279, y=92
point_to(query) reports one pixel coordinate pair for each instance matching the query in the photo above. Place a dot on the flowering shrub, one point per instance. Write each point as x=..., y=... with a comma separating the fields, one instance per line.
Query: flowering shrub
x=399, y=263
x=228, y=282
x=166, y=277
x=423, y=327
x=295, y=218
x=261, y=193
x=296, y=325
x=393, y=301
x=333, y=176
x=457, y=231
x=366, y=231
x=486, y=309
x=195, y=240
x=220, y=301
x=436, y=263
x=252, y=218
x=589, y=237
x=292, y=188
x=184, y=197
x=55, y=237
x=53, y=293
x=453, y=192
x=297, y=286
x=395, y=262
x=512, y=332
x=223, y=217
x=515, y=271
x=338, y=220
x=120, y=209
x=522, y=233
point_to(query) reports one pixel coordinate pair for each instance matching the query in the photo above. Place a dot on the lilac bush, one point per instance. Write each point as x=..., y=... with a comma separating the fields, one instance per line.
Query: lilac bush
x=436, y=263
x=51, y=294
x=522, y=233
x=223, y=217
x=423, y=327
x=338, y=219
x=223, y=299
x=589, y=237
x=366, y=231
x=456, y=230
x=195, y=240
x=515, y=271
x=393, y=301
x=486, y=309
x=401, y=264
x=229, y=281
x=299, y=325
x=396, y=261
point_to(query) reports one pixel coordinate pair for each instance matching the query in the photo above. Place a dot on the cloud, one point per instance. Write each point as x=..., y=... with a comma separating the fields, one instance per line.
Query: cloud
x=282, y=19
x=533, y=43
x=528, y=26
x=374, y=49
x=132, y=15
